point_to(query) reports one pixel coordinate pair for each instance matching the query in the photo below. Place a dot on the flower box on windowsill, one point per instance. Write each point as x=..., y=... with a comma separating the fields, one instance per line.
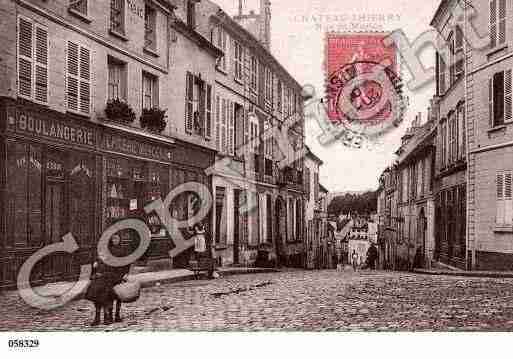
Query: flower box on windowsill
x=81, y=16
x=119, y=111
x=153, y=119
x=118, y=34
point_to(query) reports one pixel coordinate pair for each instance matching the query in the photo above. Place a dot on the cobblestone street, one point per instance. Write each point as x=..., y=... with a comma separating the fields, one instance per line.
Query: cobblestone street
x=295, y=300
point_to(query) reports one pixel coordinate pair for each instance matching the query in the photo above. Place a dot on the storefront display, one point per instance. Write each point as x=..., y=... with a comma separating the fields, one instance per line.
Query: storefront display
x=61, y=174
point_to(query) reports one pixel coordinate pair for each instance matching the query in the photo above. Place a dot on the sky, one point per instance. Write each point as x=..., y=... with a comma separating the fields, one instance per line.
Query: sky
x=298, y=30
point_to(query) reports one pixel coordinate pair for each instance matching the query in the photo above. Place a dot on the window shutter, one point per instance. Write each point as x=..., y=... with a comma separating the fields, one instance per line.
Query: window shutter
x=442, y=75
x=508, y=204
x=490, y=100
x=41, y=65
x=25, y=31
x=85, y=77
x=218, y=123
x=507, y=96
x=500, y=198
x=208, y=116
x=223, y=127
x=72, y=79
x=246, y=126
x=501, y=38
x=493, y=23
x=189, y=88
x=231, y=128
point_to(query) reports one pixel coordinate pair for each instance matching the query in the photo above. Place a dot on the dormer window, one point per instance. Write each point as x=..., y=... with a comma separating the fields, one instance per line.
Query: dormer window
x=191, y=13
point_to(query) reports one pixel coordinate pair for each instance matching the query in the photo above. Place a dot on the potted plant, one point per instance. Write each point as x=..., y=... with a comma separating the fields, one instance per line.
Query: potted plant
x=119, y=111
x=153, y=119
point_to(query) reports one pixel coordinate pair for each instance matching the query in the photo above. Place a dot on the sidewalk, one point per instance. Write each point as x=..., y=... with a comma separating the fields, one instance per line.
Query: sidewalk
x=462, y=273
x=150, y=279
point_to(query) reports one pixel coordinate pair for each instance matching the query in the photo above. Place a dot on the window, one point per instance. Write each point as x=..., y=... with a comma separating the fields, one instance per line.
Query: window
x=461, y=134
x=218, y=123
x=117, y=16
x=208, y=115
x=498, y=16
x=500, y=105
x=504, y=198
x=150, y=28
x=254, y=74
x=23, y=194
x=222, y=44
x=117, y=79
x=453, y=138
x=191, y=13
x=443, y=147
x=238, y=60
x=198, y=106
x=268, y=84
x=221, y=216
x=150, y=90
x=32, y=61
x=280, y=97
x=79, y=6
x=441, y=75
x=78, y=78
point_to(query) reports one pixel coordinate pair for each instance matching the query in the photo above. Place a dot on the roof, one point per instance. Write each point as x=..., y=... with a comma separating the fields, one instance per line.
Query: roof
x=252, y=41
x=310, y=154
x=195, y=36
x=443, y=4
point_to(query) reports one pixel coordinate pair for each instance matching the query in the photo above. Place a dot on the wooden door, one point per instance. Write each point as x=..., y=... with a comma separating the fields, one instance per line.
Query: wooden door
x=55, y=227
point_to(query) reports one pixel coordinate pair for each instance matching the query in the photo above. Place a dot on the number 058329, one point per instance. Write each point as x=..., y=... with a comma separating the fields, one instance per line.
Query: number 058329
x=23, y=343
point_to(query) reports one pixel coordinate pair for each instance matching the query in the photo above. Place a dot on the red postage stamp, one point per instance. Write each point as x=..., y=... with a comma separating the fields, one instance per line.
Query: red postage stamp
x=362, y=83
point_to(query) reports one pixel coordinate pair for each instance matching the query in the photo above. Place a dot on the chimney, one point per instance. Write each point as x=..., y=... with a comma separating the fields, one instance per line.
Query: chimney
x=265, y=23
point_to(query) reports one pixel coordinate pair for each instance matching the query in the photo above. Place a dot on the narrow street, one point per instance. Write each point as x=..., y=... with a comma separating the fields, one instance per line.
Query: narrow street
x=295, y=300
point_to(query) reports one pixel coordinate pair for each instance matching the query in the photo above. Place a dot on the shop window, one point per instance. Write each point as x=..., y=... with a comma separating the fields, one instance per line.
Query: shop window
x=23, y=206
x=131, y=185
x=82, y=186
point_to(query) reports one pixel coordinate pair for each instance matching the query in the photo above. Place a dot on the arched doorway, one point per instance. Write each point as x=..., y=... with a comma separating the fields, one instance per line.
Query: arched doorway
x=281, y=229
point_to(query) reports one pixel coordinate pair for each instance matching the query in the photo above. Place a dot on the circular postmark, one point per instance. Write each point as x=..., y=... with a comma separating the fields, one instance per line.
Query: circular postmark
x=365, y=97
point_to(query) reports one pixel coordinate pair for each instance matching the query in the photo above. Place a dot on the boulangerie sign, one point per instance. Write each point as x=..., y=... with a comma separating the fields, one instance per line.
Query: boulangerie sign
x=31, y=123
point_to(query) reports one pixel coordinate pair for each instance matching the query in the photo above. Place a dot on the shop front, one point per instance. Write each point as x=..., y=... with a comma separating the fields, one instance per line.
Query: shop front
x=50, y=172
x=62, y=174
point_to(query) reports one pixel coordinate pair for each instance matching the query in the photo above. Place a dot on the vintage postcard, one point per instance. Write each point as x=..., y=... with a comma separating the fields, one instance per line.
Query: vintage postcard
x=248, y=166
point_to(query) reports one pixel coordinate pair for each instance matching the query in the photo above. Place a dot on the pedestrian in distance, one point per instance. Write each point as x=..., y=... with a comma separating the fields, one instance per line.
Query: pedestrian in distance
x=103, y=280
x=354, y=260
x=372, y=256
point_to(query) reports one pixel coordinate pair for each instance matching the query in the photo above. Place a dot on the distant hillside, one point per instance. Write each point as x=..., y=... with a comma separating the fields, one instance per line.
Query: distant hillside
x=355, y=202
